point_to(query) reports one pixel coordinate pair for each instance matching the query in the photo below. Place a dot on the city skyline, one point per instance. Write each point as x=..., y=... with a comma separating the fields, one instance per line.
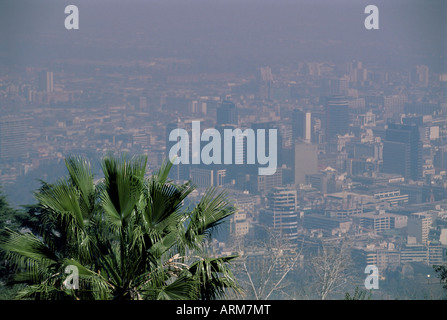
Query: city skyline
x=359, y=116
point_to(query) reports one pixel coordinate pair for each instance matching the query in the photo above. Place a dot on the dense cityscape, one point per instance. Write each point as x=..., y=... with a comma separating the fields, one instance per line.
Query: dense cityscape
x=361, y=155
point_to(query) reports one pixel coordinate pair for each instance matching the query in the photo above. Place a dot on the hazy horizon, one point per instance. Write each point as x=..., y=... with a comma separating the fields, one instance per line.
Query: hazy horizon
x=225, y=35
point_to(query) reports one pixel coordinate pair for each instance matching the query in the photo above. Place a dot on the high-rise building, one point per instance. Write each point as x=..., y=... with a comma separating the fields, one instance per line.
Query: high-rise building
x=402, y=151
x=419, y=227
x=266, y=74
x=376, y=221
x=227, y=113
x=394, y=104
x=238, y=150
x=266, y=183
x=46, y=81
x=440, y=157
x=357, y=73
x=308, y=127
x=142, y=103
x=238, y=166
x=422, y=75
x=339, y=86
x=301, y=124
x=267, y=126
x=297, y=124
x=337, y=117
x=306, y=160
x=179, y=171
x=13, y=142
x=239, y=222
x=281, y=213
x=205, y=177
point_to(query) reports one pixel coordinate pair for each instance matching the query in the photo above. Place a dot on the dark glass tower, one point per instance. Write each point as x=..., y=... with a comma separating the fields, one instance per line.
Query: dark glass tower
x=227, y=113
x=337, y=117
x=46, y=81
x=402, y=151
x=298, y=124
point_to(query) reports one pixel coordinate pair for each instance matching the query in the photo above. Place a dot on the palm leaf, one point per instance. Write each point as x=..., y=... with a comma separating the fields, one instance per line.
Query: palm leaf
x=27, y=247
x=211, y=210
x=61, y=199
x=164, y=200
x=123, y=183
x=214, y=277
x=183, y=288
x=82, y=178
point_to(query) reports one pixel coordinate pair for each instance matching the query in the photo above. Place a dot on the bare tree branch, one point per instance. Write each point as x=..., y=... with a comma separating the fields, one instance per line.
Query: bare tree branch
x=276, y=257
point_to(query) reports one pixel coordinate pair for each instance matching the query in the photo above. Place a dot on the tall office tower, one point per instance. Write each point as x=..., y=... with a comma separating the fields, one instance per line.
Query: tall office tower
x=440, y=158
x=238, y=150
x=194, y=107
x=142, y=103
x=421, y=75
x=313, y=68
x=267, y=126
x=227, y=113
x=356, y=72
x=308, y=127
x=179, y=171
x=402, y=151
x=240, y=222
x=306, y=158
x=418, y=226
x=281, y=213
x=13, y=143
x=265, y=183
x=395, y=104
x=337, y=117
x=297, y=124
x=302, y=124
x=46, y=81
x=339, y=86
x=265, y=79
x=266, y=74
x=205, y=177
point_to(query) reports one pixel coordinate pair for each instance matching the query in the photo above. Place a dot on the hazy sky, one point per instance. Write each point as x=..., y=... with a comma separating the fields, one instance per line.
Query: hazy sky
x=225, y=33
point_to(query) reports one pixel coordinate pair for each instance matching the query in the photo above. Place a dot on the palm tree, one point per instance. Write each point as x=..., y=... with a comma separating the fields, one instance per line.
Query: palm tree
x=128, y=236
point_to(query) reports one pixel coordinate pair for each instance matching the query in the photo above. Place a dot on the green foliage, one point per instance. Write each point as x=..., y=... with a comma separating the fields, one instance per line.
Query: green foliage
x=7, y=219
x=12, y=219
x=129, y=236
x=7, y=214
x=358, y=295
x=441, y=270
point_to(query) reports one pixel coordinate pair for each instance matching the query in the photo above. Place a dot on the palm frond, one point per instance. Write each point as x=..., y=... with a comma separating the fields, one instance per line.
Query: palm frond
x=161, y=175
x=164, y=200
x=214, y=276
x=27, y=247
x=123, y=183
x=61, y=199
x=211, y=210
x=183, y=288
x=81, y=176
